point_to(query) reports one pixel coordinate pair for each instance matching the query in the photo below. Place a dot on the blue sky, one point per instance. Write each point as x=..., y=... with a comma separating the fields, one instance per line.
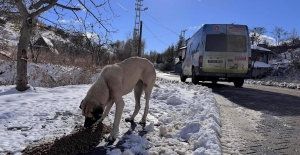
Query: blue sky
x=164, y=19
x=176, y=15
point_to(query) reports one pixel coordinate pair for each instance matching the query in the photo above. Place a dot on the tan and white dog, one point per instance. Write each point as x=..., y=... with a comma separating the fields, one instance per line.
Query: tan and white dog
x=115, y=81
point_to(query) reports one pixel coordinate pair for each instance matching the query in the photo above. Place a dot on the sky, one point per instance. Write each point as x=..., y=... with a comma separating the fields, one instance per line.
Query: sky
x=164, y=19
x=182, y=118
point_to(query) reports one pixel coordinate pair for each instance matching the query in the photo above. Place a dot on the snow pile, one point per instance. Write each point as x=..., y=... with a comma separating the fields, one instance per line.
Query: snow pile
x=273, y=83
x=184, y=120
x=258, y=64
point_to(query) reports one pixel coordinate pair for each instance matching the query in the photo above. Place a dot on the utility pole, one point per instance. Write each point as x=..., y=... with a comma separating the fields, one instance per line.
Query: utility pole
x=182, y=36
x=137, y=26
x=183, y=33
x=140, y=40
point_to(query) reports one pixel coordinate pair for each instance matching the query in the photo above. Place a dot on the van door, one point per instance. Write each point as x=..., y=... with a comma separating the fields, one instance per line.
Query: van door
x=186, y=65
x=189, y=60
x=214, y=56
x=237, y=49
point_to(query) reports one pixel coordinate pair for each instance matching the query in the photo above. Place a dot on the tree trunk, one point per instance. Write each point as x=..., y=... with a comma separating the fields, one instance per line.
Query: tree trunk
x=25, y=34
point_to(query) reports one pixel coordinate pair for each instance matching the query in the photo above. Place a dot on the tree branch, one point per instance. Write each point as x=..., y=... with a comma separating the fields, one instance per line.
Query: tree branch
x=36, y=5
x=66, y=7
x=22, y=8
x=43, y=9
x=93, y=16
x=112, y=10
x=97, y=5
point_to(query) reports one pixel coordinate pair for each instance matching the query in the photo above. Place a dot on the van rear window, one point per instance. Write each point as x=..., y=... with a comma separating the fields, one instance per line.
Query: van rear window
x=225, y=43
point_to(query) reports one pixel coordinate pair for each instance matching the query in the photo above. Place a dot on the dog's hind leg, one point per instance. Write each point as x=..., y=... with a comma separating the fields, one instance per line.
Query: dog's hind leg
x=138, y=89
x=147, y=90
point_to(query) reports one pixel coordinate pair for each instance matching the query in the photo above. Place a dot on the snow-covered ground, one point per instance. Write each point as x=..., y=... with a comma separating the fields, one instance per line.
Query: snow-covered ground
x=10, y=34
x=274, y=83
x=46, y=75
x=182, y=119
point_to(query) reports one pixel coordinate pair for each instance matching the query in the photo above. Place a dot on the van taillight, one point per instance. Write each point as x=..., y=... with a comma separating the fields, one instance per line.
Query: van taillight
x=249, y=63
x=200, y=61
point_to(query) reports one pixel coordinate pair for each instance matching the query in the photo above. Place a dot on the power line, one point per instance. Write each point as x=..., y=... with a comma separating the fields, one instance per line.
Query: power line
x=153, y=34
x=122, y=6
x=145, y=24
x=162, y=24
x=157, y=22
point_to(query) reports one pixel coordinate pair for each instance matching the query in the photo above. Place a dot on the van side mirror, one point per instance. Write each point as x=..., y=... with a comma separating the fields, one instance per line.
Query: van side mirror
x=180, y=58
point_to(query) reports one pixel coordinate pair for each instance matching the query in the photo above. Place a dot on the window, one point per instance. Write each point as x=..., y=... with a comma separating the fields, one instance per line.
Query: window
x=225, y=43
x=236, y=43
x=190, y=50
x=197, y=49
x=215, y=43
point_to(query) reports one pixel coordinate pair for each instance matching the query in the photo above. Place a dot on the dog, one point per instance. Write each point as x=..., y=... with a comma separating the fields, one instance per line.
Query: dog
x=116, y=80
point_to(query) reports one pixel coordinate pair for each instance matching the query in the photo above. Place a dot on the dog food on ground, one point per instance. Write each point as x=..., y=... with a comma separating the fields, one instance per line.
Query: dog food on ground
x=80, y=141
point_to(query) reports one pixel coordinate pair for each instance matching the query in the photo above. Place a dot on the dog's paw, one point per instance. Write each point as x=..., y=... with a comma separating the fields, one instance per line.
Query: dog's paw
x=111, y=139
x=129, y=119
x=142, y=122
x=101, y=119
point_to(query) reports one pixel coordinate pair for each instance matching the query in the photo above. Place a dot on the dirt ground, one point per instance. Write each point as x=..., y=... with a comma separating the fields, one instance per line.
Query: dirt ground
x=80, y=141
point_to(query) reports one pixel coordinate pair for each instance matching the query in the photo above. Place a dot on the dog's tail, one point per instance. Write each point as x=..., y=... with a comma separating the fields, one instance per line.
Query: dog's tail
x=155, y=85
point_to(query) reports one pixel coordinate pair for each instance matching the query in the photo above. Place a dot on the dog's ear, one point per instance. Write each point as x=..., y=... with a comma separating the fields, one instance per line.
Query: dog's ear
x=80, y=104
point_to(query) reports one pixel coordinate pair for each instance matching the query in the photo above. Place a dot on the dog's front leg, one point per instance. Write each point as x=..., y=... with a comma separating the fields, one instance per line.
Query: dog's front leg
x=119, y=110
x=106, y=111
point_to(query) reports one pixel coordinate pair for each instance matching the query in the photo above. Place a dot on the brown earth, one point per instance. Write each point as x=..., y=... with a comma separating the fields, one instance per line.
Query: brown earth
x=80, y=141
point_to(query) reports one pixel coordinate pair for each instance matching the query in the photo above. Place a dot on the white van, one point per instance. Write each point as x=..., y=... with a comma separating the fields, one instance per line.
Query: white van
x=217, y=52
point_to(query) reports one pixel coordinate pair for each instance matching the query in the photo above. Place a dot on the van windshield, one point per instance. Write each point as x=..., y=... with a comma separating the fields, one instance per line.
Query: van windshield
x=225, y=43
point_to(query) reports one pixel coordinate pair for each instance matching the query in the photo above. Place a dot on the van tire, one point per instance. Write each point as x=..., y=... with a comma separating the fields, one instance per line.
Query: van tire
x=182, y=77
x=214, y=82
x=238, y=82
x=194, y=77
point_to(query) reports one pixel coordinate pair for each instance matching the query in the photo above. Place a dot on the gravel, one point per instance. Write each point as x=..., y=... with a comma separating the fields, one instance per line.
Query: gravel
x=80, y=141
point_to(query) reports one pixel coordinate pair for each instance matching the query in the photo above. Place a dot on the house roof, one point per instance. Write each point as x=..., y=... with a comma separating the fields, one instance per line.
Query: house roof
x=48, y=43
x=257, y=48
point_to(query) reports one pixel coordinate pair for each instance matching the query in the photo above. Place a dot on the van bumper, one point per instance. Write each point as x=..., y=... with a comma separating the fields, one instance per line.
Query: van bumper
x=203, y=75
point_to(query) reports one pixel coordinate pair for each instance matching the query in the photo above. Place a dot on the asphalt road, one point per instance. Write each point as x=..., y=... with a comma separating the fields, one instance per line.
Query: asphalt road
x=258, y=119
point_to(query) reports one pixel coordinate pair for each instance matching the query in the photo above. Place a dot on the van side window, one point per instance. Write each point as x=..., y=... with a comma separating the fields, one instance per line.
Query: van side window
x=190, y=50
x=198, y=48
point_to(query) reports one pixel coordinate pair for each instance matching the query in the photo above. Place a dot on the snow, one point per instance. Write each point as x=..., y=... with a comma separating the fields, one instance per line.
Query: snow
x=38, y=74
x=253, y=47
x=183, y=118
x=9, y=35
x=258, y=64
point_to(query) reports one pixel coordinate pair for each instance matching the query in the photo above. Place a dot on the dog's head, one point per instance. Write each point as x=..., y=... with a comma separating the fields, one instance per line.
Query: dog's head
x=91, y=110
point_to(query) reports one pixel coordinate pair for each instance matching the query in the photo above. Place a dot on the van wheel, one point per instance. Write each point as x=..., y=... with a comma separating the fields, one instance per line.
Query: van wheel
x=194, y=77
x=238, y=83
x=214, y=82
x=182, y=77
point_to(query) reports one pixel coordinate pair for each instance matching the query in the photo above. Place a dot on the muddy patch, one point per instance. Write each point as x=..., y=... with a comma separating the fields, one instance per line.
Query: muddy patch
x=79, y=141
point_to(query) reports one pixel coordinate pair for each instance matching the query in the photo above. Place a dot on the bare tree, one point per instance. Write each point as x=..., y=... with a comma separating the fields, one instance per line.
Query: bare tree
x=31, y=10
x=153, y=56
x=294, y=38
x=279, y=33
x=256, y=33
